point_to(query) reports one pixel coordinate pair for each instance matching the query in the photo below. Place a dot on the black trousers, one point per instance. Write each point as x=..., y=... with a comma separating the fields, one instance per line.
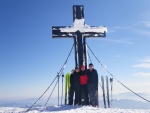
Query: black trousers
x=74, y=90
x=83, y=95
x=93, y=95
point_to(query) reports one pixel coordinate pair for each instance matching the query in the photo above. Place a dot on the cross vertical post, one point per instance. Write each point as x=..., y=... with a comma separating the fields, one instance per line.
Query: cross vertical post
x=78, y=13
x=85, y=52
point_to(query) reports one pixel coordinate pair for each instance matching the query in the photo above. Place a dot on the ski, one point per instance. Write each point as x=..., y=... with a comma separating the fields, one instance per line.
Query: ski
x=107, y=87
x=97, y=93
x=67, y=87
x=65, y=90
x=103, y=88
x=111, y=82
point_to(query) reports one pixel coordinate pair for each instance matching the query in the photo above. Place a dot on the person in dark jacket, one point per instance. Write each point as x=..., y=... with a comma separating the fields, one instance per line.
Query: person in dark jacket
x=74, y=87
x=92, y=85
x=83, y=96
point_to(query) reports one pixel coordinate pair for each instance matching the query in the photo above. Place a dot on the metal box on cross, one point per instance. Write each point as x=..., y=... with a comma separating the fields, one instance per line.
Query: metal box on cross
x=79, y=31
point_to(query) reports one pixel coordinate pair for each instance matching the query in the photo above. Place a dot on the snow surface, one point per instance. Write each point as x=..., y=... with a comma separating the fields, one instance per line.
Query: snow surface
x=70, y=109
x=79, y=25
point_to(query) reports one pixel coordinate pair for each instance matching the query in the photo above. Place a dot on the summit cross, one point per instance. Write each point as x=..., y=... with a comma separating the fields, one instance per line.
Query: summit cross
x=79, y=31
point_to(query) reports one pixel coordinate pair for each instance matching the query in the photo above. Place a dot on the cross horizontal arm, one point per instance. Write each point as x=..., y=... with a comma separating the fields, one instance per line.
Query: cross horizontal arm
x=94, y=34
x=57, y=32
x=85, y=31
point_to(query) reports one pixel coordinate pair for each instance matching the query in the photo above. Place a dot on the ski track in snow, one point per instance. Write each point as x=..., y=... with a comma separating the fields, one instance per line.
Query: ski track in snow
x=70, y=109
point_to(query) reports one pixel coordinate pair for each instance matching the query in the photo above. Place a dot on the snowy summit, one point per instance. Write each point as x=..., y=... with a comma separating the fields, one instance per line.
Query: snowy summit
x=70, y=109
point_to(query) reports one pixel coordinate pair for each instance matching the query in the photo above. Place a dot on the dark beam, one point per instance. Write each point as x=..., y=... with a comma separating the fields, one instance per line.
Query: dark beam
x=78, y=12
x=56, y=32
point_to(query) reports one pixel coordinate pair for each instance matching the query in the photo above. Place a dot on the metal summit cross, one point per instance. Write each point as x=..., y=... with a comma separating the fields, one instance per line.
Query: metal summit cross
x=79, y=31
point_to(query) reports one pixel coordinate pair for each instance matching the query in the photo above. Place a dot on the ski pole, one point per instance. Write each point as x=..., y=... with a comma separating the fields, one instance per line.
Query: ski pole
x=111, y=82
x=62, y=88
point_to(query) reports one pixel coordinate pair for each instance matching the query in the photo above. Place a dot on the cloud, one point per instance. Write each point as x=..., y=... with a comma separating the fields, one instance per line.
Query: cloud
x=145, y=32
x=117, y=41
x=114, y=29
x=142, y=65
x=145, y=60
x=141, y=27
x=143, y=24
x=120, y=41
x=118, y=56
x=142, y=74
x=147, y=24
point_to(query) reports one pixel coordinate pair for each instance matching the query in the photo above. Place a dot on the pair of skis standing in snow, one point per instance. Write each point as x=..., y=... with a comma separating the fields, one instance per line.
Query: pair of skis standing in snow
x=84, y=84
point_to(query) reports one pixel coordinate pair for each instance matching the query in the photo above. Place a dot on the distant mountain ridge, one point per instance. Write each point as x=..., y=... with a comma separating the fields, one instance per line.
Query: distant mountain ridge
x=129, y=95
x=123, y=101
x=128, y=104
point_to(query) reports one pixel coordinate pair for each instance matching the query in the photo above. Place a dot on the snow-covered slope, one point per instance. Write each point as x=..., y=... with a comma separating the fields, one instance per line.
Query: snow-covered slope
x=71, y=109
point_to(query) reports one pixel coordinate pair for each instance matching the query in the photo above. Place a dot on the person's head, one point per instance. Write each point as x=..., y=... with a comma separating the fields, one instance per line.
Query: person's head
x=72, y=71
x=91, y=66
x=82, y=67
x=76, y=69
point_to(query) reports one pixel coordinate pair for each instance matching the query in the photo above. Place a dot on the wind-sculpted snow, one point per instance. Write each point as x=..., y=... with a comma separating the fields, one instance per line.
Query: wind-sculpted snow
x=70, y=109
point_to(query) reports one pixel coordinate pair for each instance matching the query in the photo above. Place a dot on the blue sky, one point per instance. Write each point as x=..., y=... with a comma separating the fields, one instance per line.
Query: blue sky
x=30, y=58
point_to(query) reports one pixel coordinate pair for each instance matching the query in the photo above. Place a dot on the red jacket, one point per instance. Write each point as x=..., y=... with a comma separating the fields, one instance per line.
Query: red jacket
x=83, y=77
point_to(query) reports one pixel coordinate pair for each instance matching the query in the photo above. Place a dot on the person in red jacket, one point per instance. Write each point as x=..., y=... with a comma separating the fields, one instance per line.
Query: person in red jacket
x=83, y=95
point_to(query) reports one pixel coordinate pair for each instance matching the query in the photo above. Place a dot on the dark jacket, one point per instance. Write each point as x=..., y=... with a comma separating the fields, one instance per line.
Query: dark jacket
x=83, y=77
x=93, y=77
x=74, y=79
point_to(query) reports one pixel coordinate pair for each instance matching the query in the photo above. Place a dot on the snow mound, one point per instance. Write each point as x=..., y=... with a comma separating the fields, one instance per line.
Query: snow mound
x=70, y=109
